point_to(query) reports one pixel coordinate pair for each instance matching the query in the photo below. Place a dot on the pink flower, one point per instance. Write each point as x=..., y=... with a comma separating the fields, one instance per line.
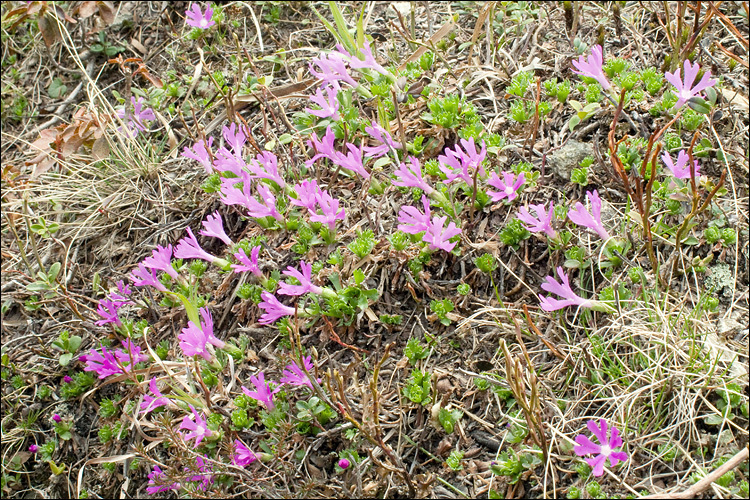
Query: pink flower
x=273, y=308
x=159, y=482
x=123, y=288
x=411, y=176
x=233, y=161
x=307, y=192
x=204, y=476
x=200, y=154
x=352, y=160
x=382, y=135
x=67, y=379
x=247, y=263
x=593, y=68
x=263, y=393
x=329, y=108
x=330, y=208
x=437, y=237
x=193, y=340
x=294, y=375
x=232, y=195
x=267, y=207
x=684, y=90
x=161, y=259
x=213, y=226
x=344, y=463
x=412, y=220
x=304, y=278
x=592, y=220
x=57, y=418
x=543, y=222
x=189, y=248
x=332, y=68
x=508, y=186
x=134, y=121
x=105, y=363
x=563, y=290
x=33, y=448
x=368, y=63
x=196, y=430
x=108, y=310
x=242, y=455
x=604, y=450
x=325, y=147
x=266, y=166
x=144, y=276
x=681, y=170
x=151, y=403
x=197, y=19
x=463, y=163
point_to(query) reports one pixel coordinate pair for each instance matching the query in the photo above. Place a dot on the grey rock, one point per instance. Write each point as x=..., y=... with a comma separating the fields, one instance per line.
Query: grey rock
x=564, y=160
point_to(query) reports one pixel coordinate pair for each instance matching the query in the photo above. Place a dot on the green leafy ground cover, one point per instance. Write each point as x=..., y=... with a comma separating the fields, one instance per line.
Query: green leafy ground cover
x=438, y=276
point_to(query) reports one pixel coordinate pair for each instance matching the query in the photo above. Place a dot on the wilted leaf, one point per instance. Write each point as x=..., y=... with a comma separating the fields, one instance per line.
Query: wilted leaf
x=100, y=150
x=49, y=29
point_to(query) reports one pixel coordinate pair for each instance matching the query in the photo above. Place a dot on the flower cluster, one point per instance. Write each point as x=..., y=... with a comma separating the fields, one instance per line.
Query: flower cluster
x=108, y=307
x=194, y=340
x=134, y=121
x=113, y=361
x=413, y=221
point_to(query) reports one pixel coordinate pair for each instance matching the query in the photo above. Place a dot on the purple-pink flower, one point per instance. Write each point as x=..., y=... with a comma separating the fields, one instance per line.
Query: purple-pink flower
x=508, y=186
x=603, y=451
x=329, y=107
x=262, y=393
x=307, y=195
x=543, y=220
x=67, y=379
x=161, y=260
x=332, y=68
x=189, y=248
x=437, y=237
x=324, y=147
x=685, y=89
x=410, y=175
x=203, y=469
x=33, y=448
x=242, y=455
x=197, y=19
x=151, y=403
x=563, y=290
x=579, y=215
x=273, y=308
x=266, y=166
x=247, y=263
x=57, y=418
x=214, y=226
x=413, y=221
x=380, y=134
x=159, y=481
x=680, y=170
x=134, y=121
x=143, y=276
x=304, y=278
x=593, y=67
x=233, y=161
x=330, y=208
x=344, y=463
x=201, y=154
x=108, y=310
x=105, y=363
x=197, y=429
x=294, y=375
x=267, y=207
x=352, y=160
x=368, y=63
x=193, y=339
x=463, y=163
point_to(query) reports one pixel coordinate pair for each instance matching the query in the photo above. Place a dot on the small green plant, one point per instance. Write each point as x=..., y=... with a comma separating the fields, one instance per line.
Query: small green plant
x=441, y=308
x=417, y=388
x=105, y=48
x=363, y=244
x=449, y=418
x=414, y=351
x=68, y=345
x=454, y=460
x=514, y=233
x=485, y=263
x=463, y=289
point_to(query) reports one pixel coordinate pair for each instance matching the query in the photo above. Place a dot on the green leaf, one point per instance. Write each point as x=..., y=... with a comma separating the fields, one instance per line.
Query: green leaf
x=574, y=121
x=343, y=29
x=359, y=276
x=699, y=105
x=37, y=286
x=65, y=358
x=57, y=88
x=53, y=272
x=74, y=343
x=55, y=469
x=190, y=309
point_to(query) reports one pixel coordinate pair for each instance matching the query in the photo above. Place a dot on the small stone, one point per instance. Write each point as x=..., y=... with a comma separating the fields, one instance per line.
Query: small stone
x=564, y=160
